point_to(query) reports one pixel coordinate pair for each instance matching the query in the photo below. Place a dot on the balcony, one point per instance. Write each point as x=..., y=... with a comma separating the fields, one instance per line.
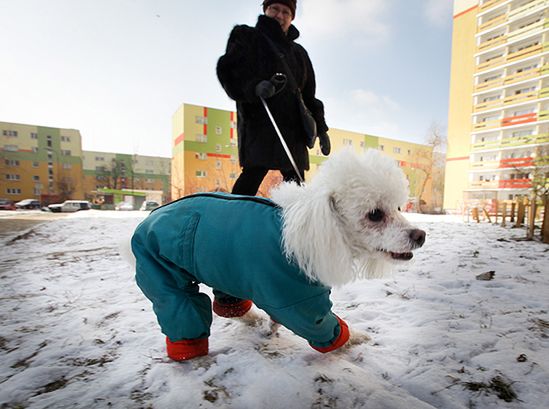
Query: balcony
x=527, y=9
x=519, y=98
x=490, y=4
x=491, y=63
x=511, y=142
x=496, y=21
x=525, y=140
x=526, y=52
x=494, y=42
x=481, y=126
x=516, y=162
x=519, y=119
x=515, y=184
x=485, y=184
x=485, y=165
x=513, y=57
x=483, y=106
x=485, y=86
x=533, y=28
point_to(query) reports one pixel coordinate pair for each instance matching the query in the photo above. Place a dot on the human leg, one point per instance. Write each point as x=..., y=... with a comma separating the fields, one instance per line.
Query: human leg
x=249, y=181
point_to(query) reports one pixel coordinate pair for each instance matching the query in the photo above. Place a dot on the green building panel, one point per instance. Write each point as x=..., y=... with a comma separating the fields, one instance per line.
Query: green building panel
x=371, y=141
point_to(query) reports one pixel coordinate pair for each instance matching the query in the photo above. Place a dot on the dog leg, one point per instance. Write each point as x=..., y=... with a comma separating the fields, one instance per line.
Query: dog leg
x=251, y=318
x=357, y=337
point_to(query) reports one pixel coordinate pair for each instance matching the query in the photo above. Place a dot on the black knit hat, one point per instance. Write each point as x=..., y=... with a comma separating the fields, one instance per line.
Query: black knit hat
x=290, y=3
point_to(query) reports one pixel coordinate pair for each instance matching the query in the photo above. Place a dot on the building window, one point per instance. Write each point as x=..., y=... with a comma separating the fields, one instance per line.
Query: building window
x=11, y=148
x=13, y=191
x=200, y=173
x=396, y=150
x=11, y=162
x=218, y=148
x=99, y=159
x=36, y=178
x=201, y=138
x=149, y=171
x=218, y=164
x=49, y=143
x=35, y=164
x=218, y=130
x=202, y=120
x=10, y=133
x=67, y=166
x=37, y=191
x=65, y=138
x=35, y=149
x=381, y=147
x=10, y=176
x=347, y=142
x=34, y=135
x=65, y=152
x=201, y=156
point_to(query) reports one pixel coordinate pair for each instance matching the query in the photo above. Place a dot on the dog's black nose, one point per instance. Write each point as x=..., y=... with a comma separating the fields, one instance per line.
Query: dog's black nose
x=417, y=237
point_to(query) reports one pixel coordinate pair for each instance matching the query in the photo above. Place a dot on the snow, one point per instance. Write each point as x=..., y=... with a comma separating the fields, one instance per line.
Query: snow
x=77, y=332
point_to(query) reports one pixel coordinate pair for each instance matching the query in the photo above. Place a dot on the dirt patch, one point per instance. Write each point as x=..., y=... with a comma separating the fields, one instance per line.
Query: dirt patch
x=14, y=222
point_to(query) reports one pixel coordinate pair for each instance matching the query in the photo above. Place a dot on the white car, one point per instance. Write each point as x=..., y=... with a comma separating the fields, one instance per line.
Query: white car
x=124, y=206
x=149, y=205
x=69, y=206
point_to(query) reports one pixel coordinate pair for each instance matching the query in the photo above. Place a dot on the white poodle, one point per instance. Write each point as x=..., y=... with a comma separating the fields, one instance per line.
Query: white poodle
x=281, y=255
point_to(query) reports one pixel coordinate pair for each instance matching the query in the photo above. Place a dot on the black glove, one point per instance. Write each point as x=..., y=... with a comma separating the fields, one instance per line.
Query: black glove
x=325, y=146
x=264, y=89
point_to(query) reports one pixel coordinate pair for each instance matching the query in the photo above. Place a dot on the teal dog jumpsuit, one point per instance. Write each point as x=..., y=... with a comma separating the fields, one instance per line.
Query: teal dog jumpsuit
x=232, y=244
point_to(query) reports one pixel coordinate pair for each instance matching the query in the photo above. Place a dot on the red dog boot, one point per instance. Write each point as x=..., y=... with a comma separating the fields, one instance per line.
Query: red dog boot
x=231, y=310
x=186, y=348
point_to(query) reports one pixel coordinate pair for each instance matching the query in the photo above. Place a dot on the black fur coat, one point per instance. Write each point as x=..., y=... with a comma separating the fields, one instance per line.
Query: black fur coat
x=249, y=59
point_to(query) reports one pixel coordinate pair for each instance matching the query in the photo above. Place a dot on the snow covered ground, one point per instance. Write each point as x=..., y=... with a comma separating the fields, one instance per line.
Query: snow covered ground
x=76, y=331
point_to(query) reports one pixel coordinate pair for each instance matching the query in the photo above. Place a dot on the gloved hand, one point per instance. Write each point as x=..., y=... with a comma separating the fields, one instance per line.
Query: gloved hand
x=264, y=89
x=325, y=146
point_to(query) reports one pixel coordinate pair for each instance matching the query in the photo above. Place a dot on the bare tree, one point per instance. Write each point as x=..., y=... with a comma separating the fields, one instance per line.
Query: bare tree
x=430, y=165
x=540, y=192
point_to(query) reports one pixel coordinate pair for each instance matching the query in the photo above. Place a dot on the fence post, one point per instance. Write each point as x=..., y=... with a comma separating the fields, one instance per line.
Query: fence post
x=503, y=213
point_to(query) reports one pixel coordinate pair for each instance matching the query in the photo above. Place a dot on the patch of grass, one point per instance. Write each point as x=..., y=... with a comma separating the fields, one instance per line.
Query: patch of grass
x=497, y=385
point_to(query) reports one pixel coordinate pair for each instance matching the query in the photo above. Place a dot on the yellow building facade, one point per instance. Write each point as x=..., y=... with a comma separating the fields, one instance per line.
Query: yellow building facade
x=38, y=162
x=205, y=154
x=498, y=120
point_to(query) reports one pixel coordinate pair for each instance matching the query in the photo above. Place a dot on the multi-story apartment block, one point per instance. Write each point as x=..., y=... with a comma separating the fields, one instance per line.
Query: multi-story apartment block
x=205, y=154
x=40, y=162
x=204, y=150
x=107, y=171
x=498, y=121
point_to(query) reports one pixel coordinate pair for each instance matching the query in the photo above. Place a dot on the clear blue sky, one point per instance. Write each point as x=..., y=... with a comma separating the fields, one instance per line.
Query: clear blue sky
x=118, y=69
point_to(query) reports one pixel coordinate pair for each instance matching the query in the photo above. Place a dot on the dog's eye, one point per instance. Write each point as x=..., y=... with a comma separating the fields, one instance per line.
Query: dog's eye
x=376, y=215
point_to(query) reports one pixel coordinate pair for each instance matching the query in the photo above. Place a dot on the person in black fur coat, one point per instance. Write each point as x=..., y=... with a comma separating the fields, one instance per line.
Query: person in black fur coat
x=245, y=72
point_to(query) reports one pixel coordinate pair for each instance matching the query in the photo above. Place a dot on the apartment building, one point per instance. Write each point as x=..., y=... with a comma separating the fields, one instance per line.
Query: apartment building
x=122, y=174
x=38, y=162
x=498, y=121
x=205, y=155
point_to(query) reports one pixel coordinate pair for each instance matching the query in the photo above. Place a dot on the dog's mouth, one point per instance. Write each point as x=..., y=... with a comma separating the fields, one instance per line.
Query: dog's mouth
x=401, y=256
x=398, y=256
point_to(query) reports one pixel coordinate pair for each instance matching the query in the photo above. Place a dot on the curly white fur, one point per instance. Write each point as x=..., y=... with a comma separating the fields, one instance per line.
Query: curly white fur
x=326, y=228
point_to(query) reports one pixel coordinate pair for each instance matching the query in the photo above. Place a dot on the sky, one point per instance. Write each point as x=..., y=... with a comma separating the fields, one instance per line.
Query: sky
x=118, y=70
x=78, y=333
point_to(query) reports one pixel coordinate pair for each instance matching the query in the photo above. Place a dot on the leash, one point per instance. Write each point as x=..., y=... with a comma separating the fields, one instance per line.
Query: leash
x=284, y=145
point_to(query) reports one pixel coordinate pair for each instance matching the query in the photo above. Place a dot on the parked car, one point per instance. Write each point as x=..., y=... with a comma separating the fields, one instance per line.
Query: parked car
x=124, y=206
x=70, y=206
x=6, y=204
x=149, y=205
x=28, y=204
